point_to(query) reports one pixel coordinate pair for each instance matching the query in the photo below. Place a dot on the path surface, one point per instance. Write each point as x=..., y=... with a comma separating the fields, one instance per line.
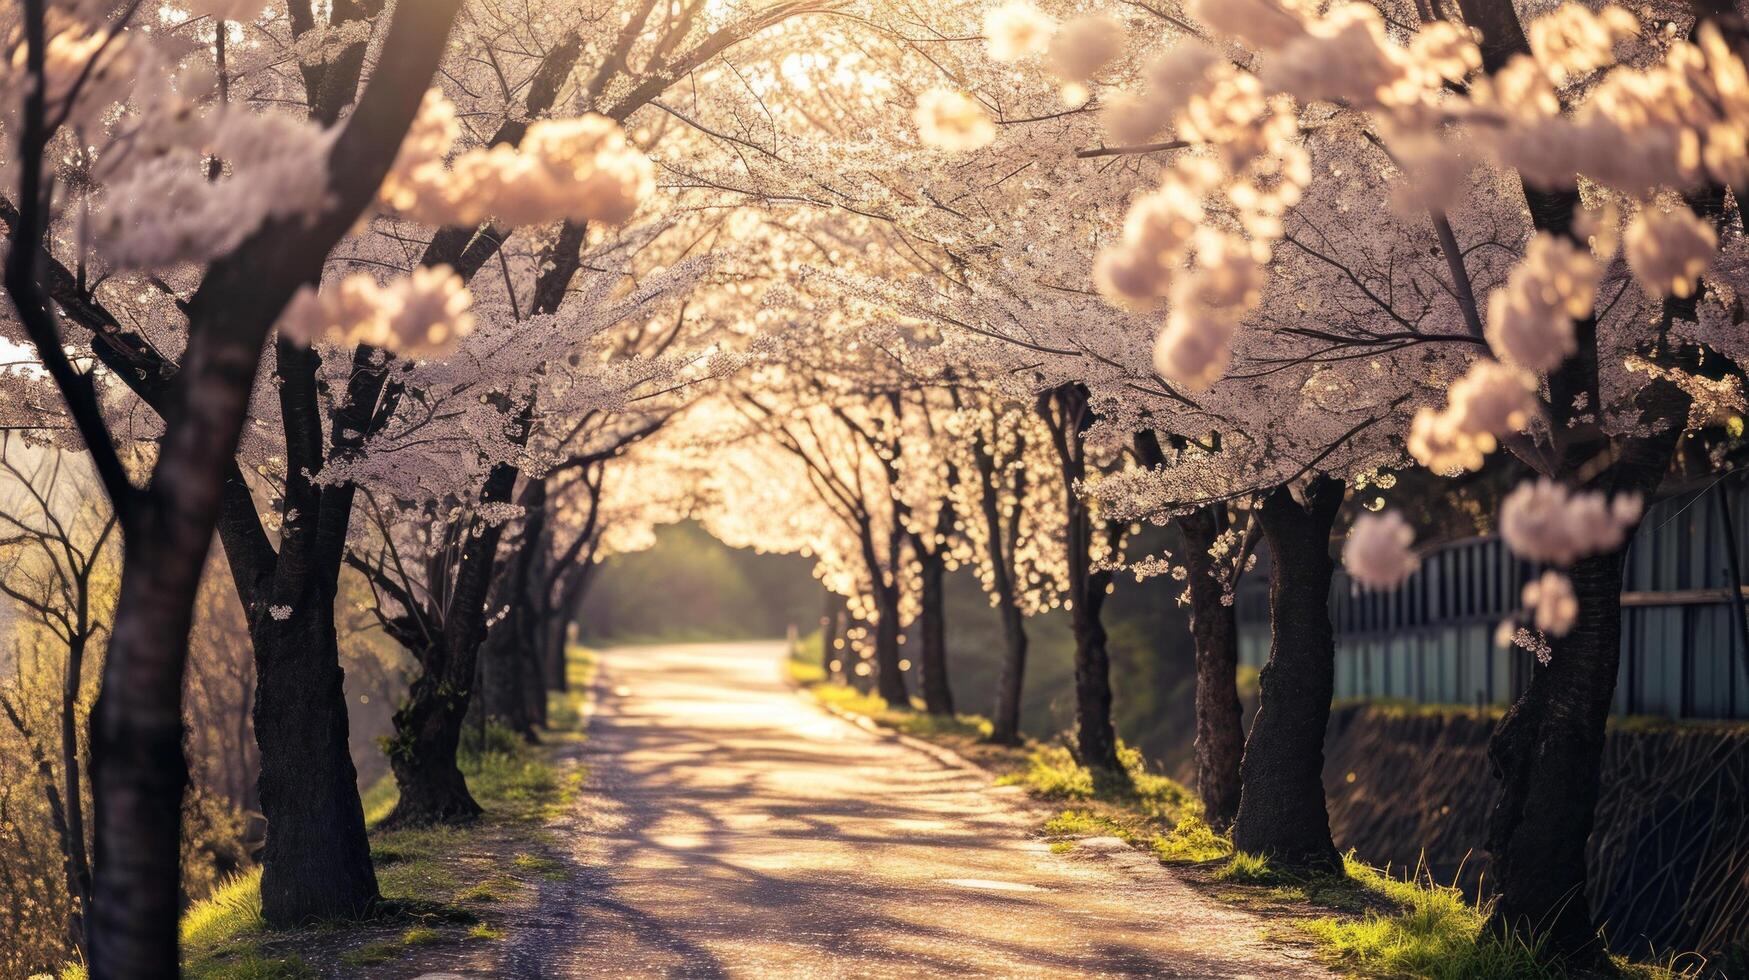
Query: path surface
x=733, y=828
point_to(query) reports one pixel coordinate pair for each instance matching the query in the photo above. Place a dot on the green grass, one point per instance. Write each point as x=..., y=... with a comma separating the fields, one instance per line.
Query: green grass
x=1384, y=926
x=249, y=963
x=1080, y=823
x=542, y=867
x=1190, y=841
x=1248, y=869
x=373, y=954
x=806, y=674
x=389, y=950
x=231, y=913
x=565, y=709
x=490, y=891
x=910, y=720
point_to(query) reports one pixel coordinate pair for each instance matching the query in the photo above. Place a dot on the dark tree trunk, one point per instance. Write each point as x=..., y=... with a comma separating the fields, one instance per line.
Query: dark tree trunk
x=138, y=771
x=553, y=638
x=428, y=725
x=1067, y=412
x=1005, y=716
x=1005, y=725
x=1214, y=625
x=78, y=859
x=573, y=583
x=534, y=629
x=428, y=732
x=829, y=634
x=1095, y=737
x=932, y=629
x=1282, y=815
x=889, y=678
x=316, y=859
x=510, y=676
x=1547, y=752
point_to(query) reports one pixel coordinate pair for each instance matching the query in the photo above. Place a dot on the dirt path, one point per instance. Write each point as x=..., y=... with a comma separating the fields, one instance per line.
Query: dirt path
x=734, y=829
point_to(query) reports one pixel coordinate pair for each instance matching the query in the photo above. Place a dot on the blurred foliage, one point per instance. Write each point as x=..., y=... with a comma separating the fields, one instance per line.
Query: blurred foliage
x=690, y=586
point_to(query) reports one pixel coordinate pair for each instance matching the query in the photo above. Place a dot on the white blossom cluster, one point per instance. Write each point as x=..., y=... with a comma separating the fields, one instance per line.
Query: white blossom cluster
x=582, y=169
x=953, y=121
x=1074, y=51
x=170, y=209
x=1210, y=273
x=1489, y=402
x=1544, y=521
x=1552, y=604
x=1378, y=553
x=422, y=313
x=1530, y=319
x=1668, y=250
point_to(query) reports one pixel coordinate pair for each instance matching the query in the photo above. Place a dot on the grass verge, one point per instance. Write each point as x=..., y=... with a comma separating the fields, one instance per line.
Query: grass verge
x=444, y=884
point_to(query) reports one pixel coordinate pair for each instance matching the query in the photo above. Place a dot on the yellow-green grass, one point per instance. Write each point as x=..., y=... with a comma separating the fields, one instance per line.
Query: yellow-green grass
x=565, y=709
x=910, y=720
x=1384, y=926
x=1149, y=810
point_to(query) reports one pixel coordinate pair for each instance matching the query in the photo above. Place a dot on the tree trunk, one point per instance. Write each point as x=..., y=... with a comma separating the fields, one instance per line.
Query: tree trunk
x=1005, y=716
x=556, y=621
x=1282, y=815
x=509, y=674
x=517, y=696
x=889, y=679
x=138, y=771
x=1005, y=725
x=1095, y=737
x=1546, y=752
x=1066, y=410
x=937, y=696
x=1214, y=625
x=829, y=635
x=78, y=860
x=428, y=725
x=422, y=754
x=509, y=677
x=316, y=859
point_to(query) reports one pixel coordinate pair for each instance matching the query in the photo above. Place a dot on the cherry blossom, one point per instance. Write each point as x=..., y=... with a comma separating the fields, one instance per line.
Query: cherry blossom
x=1378, y=552
x=1544, y=521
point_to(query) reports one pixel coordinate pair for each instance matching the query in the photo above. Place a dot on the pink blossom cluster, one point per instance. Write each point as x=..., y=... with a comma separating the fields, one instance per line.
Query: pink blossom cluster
x=1379, y=551
x=1544, y=521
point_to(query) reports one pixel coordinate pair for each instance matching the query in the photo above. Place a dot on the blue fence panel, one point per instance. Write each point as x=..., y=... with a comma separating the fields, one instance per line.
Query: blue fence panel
x=1433, y=639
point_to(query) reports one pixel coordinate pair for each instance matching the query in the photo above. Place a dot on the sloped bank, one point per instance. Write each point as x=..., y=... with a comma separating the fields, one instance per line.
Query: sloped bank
x=1669, y=856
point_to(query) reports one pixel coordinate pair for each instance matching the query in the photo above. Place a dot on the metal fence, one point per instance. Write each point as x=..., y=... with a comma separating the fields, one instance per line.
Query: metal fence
x=1432, y=639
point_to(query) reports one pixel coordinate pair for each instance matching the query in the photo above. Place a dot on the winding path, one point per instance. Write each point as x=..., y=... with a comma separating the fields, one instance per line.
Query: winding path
x=733, y=828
